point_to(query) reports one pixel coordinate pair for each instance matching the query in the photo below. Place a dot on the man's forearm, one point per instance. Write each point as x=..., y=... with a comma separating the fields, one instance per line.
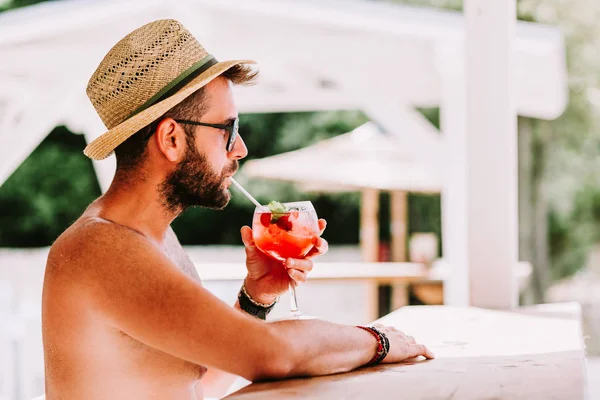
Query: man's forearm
x=317, y=347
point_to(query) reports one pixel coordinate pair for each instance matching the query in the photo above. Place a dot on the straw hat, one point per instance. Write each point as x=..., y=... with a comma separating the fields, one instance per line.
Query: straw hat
x=145, y=74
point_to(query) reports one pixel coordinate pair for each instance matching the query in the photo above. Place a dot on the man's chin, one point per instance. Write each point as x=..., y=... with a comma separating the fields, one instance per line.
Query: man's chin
x=222, y=206
x=216, y=204
x=224, y=201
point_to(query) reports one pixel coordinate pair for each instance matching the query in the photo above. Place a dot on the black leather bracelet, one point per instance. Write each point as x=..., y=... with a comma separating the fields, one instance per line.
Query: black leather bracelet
x=252, y=307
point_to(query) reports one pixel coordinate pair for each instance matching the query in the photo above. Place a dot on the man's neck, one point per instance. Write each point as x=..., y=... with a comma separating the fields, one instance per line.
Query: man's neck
x=138, y=206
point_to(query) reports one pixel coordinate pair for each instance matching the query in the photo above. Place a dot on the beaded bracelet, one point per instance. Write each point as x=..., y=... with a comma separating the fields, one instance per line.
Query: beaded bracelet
x=256, y=303
x=253, y=307
x=386, y=342
x=383, y=344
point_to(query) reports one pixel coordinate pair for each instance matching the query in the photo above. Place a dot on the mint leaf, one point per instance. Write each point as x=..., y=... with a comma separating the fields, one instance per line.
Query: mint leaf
x=278, y=210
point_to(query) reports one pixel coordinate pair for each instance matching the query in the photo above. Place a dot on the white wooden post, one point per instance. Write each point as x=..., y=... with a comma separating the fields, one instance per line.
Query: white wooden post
x=480, y=196
x=453, y=123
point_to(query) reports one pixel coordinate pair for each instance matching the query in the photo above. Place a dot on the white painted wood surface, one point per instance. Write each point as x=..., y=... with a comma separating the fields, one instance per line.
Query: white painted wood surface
x=480, y=354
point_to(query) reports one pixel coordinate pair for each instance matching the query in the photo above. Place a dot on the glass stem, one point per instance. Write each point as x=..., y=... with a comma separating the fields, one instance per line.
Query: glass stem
x=293, y=302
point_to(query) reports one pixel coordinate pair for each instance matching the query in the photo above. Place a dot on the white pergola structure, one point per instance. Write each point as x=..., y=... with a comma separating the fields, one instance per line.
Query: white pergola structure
x=481, y=69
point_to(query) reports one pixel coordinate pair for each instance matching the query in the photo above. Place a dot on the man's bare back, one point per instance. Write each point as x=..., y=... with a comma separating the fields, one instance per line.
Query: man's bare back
x=90, y=358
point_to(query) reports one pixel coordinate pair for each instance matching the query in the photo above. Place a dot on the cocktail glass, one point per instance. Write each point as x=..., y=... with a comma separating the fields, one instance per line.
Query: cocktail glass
x=288, y=234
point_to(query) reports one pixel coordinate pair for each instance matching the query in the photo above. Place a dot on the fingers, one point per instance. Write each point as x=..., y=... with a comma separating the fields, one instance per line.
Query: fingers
x=298, y=269
x=428, y=354
x=322, y=226
x=302, y=265
x=247, y=238
x=320, y=246
x=253, y=254
x=297, y=276
x=416, y=350
x=402, y=346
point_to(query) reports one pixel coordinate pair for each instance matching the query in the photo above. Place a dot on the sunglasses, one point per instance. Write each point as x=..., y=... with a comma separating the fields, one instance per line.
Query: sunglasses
x=231, y=127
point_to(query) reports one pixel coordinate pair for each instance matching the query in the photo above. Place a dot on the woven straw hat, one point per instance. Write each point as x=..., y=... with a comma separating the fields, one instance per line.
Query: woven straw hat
x=145, y=74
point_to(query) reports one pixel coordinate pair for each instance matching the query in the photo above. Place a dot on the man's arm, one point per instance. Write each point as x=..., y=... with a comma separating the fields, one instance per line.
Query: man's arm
x=216, y=382
x=141, y=292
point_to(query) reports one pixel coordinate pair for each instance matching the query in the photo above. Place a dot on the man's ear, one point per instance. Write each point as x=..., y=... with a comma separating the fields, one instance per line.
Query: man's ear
x=170, y=139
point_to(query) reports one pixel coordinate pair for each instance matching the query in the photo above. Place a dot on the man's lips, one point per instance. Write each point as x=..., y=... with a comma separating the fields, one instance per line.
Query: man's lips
x=230, y=174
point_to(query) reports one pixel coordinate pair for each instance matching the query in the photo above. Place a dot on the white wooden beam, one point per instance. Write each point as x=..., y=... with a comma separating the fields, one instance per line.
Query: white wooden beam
x=290, y=76
x=82, y=118
x=45, y=20
x=258, y=100
x=479, y=119
x=417, y=133
x=21, y=135
x=358, y=15
x=538, y=58
x=105, y=169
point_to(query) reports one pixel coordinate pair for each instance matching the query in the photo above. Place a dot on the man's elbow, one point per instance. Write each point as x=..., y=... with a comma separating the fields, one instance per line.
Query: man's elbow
x=278, y=362
x=271, y=371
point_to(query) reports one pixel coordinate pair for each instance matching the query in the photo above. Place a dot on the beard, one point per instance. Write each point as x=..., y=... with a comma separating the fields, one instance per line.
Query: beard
x=194, y=183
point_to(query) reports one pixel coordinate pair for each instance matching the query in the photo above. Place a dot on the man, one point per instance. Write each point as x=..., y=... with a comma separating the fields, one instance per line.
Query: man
x=124, y=312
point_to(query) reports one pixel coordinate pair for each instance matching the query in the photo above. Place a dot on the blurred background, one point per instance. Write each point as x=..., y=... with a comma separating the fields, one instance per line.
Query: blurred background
x=299, y=149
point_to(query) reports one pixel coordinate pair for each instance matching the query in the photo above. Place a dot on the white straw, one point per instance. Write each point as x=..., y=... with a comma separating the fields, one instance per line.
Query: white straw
x=248, y=195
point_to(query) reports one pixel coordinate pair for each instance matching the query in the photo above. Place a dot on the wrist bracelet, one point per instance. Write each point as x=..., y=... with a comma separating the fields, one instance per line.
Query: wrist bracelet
x=253, y=307
x=383, y=344
x=256, y=303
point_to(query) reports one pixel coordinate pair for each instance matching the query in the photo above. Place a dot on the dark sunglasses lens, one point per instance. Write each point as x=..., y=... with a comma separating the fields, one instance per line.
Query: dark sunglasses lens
x=233, y=135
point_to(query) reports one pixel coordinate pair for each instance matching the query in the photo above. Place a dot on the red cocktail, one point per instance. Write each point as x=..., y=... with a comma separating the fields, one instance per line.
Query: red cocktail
x=286, y=231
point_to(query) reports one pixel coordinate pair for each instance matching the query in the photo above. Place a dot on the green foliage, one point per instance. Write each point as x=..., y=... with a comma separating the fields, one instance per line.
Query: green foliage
x=446, y=4
x=12, y=4
x=572, y=142
x=425, y=215
x=573, y=234
x=47, y=192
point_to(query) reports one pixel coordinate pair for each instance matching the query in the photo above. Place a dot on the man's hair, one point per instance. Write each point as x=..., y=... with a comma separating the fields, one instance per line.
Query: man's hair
x=132, y=152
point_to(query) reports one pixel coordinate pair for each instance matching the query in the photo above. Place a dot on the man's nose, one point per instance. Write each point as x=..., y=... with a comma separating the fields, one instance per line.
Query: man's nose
x=239, y=150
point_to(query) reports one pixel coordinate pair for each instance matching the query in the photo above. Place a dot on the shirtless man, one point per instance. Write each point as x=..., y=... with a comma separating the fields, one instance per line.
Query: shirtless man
x=125, y=315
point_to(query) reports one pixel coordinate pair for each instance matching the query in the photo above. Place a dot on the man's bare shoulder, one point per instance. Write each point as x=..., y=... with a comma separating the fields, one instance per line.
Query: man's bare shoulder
x=92, y=242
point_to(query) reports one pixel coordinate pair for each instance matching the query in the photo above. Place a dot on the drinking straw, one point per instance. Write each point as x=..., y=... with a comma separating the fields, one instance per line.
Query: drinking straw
x=248, y=195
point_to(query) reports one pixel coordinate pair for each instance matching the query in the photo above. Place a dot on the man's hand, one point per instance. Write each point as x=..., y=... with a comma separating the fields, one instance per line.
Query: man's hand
x=268, y=277
x=402, y=346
